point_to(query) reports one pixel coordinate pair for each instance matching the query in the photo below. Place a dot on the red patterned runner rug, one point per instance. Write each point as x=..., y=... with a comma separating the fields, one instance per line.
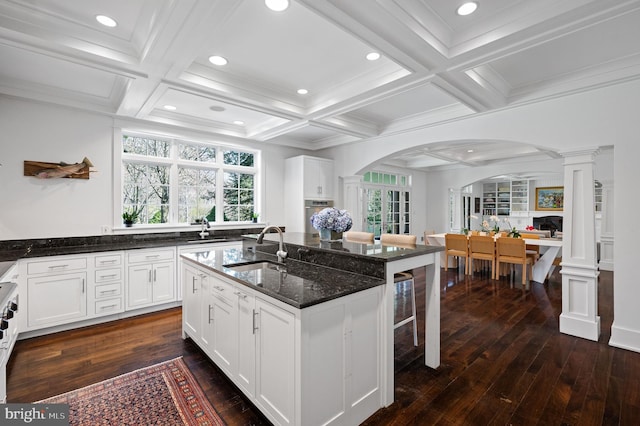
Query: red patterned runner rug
x=163, y=394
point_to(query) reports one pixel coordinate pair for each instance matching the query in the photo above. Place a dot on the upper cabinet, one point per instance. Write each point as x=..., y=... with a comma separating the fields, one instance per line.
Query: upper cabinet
x=311, y=178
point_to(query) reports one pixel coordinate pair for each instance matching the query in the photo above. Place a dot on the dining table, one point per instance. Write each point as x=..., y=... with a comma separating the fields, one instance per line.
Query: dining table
x=550, y=249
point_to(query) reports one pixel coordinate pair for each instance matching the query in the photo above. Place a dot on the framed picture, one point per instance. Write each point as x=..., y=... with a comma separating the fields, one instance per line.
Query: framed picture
x=550, y=198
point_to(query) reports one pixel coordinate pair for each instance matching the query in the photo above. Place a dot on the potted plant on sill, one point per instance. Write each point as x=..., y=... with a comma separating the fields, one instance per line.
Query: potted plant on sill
x=254, y=217
x=129, y=217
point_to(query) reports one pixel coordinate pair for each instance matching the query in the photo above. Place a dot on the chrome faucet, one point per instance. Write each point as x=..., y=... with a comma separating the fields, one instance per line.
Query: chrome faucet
x=205, y=226
x=280, y=253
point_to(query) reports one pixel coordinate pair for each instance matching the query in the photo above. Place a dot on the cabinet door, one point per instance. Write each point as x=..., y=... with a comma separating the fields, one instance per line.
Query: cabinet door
x=191, y=303
x=56, y=299
x=139, y=289
x=224, y=344
x=318, y=179
x=275, y=352
x=246, y=342
x=163, y=282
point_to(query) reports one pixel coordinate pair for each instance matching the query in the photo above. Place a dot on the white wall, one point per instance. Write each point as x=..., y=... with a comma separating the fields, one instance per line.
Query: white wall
x=46, y=208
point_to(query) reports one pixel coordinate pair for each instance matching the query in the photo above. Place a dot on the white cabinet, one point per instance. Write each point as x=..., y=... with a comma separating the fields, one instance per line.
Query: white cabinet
x=150, y=277
x=318, y=365
x=55, y=289
x=192, y=295
x=223, y=317
x=275, y=362
x=56, y=299
x=519, y=197
x=317, y=178
x=306, y=178
x=106, y=284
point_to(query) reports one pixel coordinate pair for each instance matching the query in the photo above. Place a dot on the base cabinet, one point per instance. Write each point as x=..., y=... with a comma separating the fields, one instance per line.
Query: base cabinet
x=319, y=365
x=150, y=277
x=56, y=298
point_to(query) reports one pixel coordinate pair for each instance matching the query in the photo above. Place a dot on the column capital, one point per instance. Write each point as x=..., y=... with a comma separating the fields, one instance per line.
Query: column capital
x=583, y=155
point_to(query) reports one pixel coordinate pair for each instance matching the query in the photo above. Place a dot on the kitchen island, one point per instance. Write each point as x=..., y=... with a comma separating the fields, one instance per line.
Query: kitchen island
x=320, y=349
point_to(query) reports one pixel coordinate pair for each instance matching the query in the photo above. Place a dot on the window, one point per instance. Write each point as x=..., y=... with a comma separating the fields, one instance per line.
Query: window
x=388, y=204
x=167, y=181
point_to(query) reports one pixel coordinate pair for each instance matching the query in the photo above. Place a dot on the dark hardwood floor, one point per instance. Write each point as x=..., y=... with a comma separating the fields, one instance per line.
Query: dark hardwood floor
x=503, y=361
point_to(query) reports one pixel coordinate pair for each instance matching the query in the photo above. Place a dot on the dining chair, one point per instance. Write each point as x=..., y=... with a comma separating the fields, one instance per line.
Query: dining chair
x=406, y=241
x=456, y=245
x=483, y=248
x=513, y=251
x=533, y=251
x=427, y=233
x=358, y=237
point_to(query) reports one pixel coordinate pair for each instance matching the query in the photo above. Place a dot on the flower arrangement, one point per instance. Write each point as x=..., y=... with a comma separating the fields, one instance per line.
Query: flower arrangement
x=530, y=228
x=494, y=226
x=332, y=219
x=513, y=232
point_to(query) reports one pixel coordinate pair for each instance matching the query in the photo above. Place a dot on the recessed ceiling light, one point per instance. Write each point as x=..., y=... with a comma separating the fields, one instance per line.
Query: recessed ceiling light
x=218, y=60
x=277, y=5
x=239, y=122
x=216, y=108
x=170, y=107
x=106, y=21
x=373, y=56
x=467, y=8
x=469, y=150
x=302, y=91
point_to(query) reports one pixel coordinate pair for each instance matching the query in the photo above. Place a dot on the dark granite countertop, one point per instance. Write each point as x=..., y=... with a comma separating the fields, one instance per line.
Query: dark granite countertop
x=299, y=284
x=13, y=250
x=378, y=251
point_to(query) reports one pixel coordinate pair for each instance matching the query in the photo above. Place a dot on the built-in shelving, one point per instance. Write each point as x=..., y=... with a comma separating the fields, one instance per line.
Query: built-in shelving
x=504, y=198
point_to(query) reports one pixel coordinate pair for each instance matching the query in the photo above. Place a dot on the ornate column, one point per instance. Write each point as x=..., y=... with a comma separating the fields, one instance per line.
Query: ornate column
x=579, y=264
x=606, y=231
x=456, y=209
x=352, y=191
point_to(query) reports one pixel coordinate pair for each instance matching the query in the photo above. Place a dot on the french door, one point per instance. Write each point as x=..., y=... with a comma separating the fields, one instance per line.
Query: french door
x=388, y=211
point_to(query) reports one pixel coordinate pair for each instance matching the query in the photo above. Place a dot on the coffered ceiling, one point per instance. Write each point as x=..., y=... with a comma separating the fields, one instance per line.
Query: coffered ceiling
x=435, y=65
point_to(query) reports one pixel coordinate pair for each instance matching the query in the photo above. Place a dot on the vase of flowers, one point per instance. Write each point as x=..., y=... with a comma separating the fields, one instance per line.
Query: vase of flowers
x=331, y=223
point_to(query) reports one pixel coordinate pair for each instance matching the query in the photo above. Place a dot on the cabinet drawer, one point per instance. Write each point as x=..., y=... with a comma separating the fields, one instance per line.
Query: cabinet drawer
x=58, y=265
x=222, y=291
x=108, y=306
x=108, y=260
x=151, y=256
x=108, y=290
x=105, y=275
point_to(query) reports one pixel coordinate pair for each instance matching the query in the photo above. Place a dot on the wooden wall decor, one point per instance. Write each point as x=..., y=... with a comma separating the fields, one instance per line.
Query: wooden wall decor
x=44, y=170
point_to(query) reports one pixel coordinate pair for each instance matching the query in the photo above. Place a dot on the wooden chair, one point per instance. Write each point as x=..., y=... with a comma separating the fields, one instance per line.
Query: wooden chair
x=405, y=241
x=513, y=250
x=483, y=248
x=428, y=232
x=533, y=251
x=456, y=245
x=358, y=237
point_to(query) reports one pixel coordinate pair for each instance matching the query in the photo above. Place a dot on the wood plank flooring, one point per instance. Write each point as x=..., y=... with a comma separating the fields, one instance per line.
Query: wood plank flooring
x=503, y=361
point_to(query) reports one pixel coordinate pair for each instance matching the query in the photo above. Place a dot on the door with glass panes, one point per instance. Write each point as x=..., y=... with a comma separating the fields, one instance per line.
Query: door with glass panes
x=388, y=211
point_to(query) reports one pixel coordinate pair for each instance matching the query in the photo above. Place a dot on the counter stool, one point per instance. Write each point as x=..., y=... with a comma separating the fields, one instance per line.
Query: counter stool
x=407, y=241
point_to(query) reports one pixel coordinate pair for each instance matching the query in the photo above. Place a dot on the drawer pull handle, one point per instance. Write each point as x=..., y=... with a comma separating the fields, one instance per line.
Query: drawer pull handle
x=219, y=288
x=104, y=277
x=194, y=285
x=108, y=262
x=58, y=266
x=102, y=308
x=240, y=294
x=109, y=291
x=210, y=309
x=152, y=256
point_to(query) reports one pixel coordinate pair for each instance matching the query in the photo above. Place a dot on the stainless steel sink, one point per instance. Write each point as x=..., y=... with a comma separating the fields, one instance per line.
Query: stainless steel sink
x=255, y=266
